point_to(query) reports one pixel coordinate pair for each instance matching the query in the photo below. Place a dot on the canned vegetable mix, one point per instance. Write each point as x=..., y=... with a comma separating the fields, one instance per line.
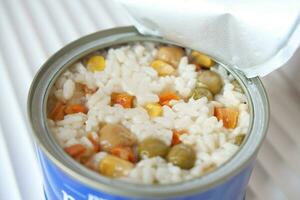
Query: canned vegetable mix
x=120, y=115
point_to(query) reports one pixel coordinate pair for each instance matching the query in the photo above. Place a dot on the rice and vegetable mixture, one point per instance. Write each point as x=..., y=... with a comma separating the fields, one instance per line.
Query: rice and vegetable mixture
x=148, y=113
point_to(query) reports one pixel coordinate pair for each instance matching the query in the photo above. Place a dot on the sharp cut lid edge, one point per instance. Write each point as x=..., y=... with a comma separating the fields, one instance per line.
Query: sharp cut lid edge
x=240, y=35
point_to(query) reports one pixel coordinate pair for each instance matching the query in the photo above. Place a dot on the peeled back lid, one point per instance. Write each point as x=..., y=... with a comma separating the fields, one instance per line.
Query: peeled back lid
x=254, y=36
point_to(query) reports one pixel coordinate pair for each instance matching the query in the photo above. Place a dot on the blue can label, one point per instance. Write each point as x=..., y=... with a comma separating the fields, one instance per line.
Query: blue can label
x=60, y=186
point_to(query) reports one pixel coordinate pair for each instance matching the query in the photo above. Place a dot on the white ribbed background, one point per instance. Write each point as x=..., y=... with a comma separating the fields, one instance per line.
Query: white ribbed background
x=32, y=30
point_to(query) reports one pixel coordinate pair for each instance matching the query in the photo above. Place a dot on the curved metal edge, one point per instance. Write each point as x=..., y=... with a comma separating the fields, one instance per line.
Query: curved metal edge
x=108, y=188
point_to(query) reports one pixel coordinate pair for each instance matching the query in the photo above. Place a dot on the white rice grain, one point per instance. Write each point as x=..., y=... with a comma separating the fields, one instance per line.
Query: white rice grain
x=68, y=89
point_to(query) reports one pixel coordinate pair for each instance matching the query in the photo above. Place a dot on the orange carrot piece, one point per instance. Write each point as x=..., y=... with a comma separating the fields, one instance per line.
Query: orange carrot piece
x=229, y=116
x=75, y=150
x=126, y=153
x=94, y=141
x=123, y=99
x=58, y=111
x=176, y=136
x=166, y=97
x=75, y=108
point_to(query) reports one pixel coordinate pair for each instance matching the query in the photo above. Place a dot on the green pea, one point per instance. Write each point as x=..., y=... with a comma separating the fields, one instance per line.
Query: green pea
x=151, y=147
x=182, y=156
x=200, y=92
x=212, y=80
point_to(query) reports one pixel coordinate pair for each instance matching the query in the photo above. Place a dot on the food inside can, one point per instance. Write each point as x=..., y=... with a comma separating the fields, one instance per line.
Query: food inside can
x=148, y=112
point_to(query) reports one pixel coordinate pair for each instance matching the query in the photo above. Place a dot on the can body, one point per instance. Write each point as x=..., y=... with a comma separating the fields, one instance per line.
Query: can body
x=58, y=185
x=66, y=180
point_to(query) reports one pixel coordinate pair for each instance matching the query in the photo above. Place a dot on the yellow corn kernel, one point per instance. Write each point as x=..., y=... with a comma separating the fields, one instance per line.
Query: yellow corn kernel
x=154, y=109
x=162, y=68
x=114, y=167
x=201, y=59
x=96, y=63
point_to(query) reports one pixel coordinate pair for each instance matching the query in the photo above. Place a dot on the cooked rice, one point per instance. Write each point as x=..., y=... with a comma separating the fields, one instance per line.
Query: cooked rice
x=127, y=70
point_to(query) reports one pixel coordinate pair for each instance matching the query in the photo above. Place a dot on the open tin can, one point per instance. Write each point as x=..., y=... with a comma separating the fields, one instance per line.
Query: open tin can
x=65, y=179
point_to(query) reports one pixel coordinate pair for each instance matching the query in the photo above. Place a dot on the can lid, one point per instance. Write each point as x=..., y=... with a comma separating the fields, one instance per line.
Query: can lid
x=253, y=36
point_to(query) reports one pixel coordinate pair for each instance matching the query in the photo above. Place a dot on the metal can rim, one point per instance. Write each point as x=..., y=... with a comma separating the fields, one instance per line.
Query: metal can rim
x=254, y=89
